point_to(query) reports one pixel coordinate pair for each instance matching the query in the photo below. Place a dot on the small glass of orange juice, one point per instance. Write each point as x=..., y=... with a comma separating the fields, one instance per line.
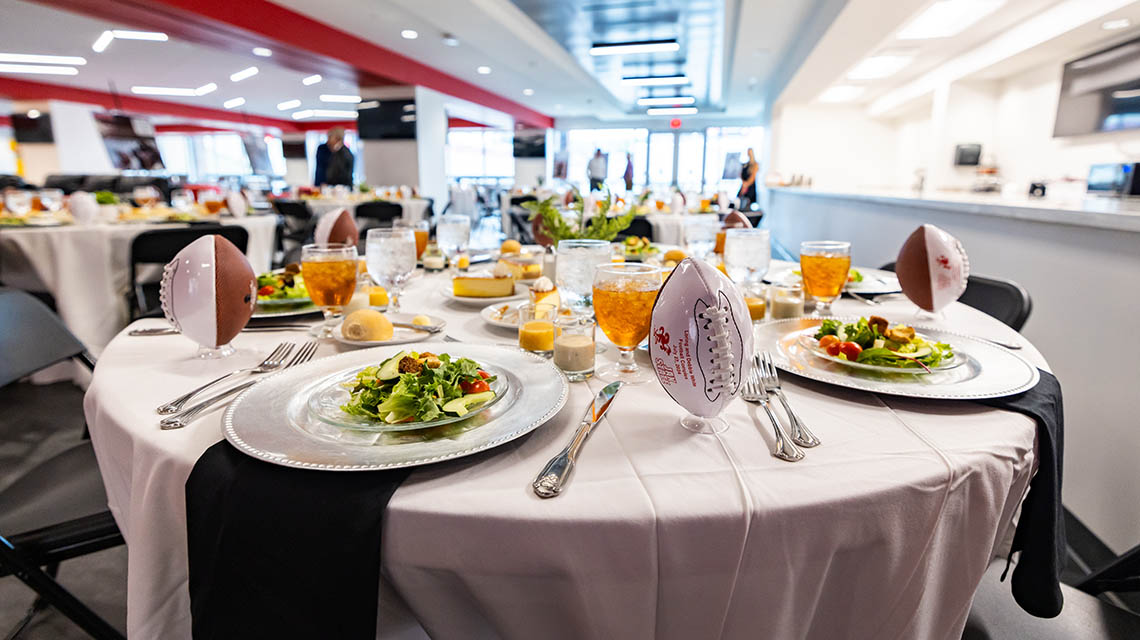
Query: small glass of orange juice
x=536, y=328
x=756, y=299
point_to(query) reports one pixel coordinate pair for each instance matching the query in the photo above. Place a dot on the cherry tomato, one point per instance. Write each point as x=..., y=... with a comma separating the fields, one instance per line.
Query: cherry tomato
x=827, y=341
x=851, y=350
x=267, y=290
x=483, y=374
x=474, y=386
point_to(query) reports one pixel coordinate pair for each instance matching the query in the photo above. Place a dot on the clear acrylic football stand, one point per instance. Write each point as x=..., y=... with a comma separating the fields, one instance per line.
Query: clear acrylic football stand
x=211, y=353
x=722, y=376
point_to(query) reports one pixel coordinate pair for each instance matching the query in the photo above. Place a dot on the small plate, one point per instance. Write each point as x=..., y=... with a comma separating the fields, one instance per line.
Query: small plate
x=400, y=335
x=493, y=314
x=807, y=339
x=447, y=292
x=331, y=393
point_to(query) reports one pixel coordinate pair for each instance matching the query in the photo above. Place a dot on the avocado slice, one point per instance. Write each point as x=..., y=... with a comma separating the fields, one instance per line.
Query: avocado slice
x=461, y=405
x=390, y=368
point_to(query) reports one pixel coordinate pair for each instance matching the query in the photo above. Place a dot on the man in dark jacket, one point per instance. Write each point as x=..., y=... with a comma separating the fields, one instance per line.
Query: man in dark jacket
x=334, y=160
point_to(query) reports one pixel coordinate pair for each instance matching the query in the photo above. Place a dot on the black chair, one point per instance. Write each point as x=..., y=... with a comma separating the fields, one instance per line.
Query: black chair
x=1003, y=299
x=520, y=222
x=91, y=184
x=68, y=183
x=376, y=214
x=299, y=225
x=126, y=184
x=13, y=182
x=755, y=218
x=640, y=228
x=159, y=247
x=517, y=201
x=58, y=509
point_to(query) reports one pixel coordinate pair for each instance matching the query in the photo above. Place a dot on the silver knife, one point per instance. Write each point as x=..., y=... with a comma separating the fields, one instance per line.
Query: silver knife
x=549, y=483
x=168, y=331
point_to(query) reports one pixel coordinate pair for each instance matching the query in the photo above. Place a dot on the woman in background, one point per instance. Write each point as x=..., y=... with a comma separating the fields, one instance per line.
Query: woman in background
x=628, y=177
x=747, y=193
x=334, y=161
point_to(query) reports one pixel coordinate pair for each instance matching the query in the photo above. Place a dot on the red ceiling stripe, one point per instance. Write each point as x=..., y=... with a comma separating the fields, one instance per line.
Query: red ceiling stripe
x=5, y=121
x=258, y=20
x=458, y=123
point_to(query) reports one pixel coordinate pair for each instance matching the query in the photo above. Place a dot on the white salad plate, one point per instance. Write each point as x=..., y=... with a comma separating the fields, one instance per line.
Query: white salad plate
x=272, y=421
x=446, y=291
x=808, y=341
x=400, y=335
x=986, y=370
x=875, y=281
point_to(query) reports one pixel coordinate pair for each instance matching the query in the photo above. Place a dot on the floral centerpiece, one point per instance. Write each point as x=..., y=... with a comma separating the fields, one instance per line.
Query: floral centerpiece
x=599, y=226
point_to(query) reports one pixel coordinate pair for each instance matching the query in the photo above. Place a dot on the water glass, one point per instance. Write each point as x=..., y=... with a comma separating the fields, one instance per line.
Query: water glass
x=824, y=265
x=18, y=201
x=330, y=276
x=700, y=235
x=146, y=196
x=747, y=254
x=624, y=295
x=536, y=328
x=576, y=261
x=51, y=199
x=452, y=235
x=391, y=258
x=182, y=199
x=574, y=347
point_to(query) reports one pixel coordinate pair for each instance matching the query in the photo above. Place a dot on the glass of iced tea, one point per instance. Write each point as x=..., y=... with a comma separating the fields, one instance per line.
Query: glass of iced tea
x=624, y=294
x=824, y=265
x=212, y=200
x=330, y=276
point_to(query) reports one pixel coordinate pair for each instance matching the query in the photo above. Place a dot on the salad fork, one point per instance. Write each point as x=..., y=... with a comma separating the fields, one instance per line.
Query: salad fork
x=272, y=362
x=304, y=354
x=801, y=435
x=753, y=391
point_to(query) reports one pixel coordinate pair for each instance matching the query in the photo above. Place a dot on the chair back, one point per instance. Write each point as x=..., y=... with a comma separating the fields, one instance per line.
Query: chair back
x=68, y=183
x=159, y=246
x=31, y=336
x=1005, y=300
x=377, y=214
x=640, y=228
x=518, y=200
x=299, y=224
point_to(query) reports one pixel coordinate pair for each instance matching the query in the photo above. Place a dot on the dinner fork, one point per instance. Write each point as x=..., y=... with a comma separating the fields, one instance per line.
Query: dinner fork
x=801, y=435
x=753, y=391
x=272, y=362
x=304, y=354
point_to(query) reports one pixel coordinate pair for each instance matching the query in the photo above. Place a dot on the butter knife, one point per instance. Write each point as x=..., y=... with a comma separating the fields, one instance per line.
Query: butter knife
x=549, y=483
x=169, y=331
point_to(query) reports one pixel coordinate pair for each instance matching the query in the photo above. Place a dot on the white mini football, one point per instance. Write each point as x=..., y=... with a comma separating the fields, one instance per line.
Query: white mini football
x=208, y=291
x=932, y=268
x=336, y=227
x=237, y=204
x=700, y=338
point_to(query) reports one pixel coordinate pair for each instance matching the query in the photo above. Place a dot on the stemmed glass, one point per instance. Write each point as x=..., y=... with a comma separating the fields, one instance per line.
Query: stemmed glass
x=452, y=235
x=624, y=294
x=182, y=199
x=577, y=260
x=18, y=201
x=330, y=276
x=391, y=258
x=700, y=235
x=51, y=199
x=747, y=254
x=146, y=196
x=824, y=265
x=421, y=229
x=212, y=200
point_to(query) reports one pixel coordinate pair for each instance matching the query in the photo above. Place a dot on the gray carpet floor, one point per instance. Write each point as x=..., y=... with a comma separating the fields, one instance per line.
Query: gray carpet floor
x=36, y=422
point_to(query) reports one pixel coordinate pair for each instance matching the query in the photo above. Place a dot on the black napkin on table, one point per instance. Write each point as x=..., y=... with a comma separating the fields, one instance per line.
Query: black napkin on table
x=1040, y=533
x=277, y=552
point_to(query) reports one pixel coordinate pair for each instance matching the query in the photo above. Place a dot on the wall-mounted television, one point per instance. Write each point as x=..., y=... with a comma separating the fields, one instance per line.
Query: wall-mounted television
x=36, y=129
x=1100, y=92
x=530, y=143
x=130, y=142
x=389, y=120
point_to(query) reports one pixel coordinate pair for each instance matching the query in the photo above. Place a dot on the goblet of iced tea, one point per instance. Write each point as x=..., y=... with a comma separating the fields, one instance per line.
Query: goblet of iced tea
x=330, y=277
x=624, y=294
x=824, y=265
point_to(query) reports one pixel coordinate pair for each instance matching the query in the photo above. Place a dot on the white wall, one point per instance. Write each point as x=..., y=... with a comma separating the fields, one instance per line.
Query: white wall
x=390, y=162
x=840, y=147
x=962, y=113
x=7, y=151
x=529, y=170
x=78, y=142
x=431, y=142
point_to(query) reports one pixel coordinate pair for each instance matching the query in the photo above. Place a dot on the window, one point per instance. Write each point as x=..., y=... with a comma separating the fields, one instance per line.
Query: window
x=221, y=154
x=177, y=156
x=480, y=153
x=690, y=160
x=660, y=160
x=722, y=141
x=581, y=144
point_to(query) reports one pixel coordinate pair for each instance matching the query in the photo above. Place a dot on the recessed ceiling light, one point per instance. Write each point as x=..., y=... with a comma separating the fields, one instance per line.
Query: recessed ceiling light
x=643, y=46
x=322, y=113
x=154, y=36
x=38, y=59
x=163, y=91
x=947, y=18
x=666, y=101
x=671, y=111
x=325, y=97
x=483, y=70
x=409, y=34
x=450, y=40
x=262, y=51
x=288, y=104
x=248, y=72
x=410, y=117
x=206, y=88
x=877, y=67
x=35, y=68
x=233, y=103
x=102, y=42
x=371, y=104
x=313, y=79
x=654, y=81
x=1113, y=25
x=528, y=92
x=841, y=93
x=33, y=113
x=410, y=107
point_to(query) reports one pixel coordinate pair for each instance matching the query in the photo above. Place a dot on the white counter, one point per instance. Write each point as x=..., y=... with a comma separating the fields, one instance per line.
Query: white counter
x=1102, y=212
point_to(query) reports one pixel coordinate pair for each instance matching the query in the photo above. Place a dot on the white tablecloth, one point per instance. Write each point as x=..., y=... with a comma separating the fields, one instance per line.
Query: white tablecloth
x=87, y=268
x=415, y=209
x=669, y=228
x=884, y=531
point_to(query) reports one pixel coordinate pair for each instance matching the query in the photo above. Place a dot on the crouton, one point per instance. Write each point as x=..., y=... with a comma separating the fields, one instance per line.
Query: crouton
x=409, y=364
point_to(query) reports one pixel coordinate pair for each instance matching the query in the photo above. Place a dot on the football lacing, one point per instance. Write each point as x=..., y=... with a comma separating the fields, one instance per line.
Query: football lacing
x=723, y=373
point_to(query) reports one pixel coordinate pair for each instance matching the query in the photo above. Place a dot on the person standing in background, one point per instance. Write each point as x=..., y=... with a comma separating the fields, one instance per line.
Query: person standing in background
x=334, y=161
x=596, y=170
x=628, y=172
x=747, y=193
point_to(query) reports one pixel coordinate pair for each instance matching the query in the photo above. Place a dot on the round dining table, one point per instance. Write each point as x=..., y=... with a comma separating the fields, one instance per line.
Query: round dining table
x=883, y=531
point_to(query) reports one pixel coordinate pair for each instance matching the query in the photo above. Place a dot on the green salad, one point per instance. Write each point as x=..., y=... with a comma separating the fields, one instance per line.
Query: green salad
x=874, y=341
x=287, y=285
x=419, y=387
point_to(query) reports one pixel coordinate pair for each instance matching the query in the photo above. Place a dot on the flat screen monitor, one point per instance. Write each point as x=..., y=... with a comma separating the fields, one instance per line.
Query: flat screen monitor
x=967, y=155
x=1100, y=92
x=389, y=120
x=36, y=129
x=530, y=143
x=130, y=142
x=293, y=149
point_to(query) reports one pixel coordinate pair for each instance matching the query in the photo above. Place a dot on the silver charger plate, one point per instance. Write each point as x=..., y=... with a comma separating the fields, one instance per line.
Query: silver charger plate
x=283, y=311
x=271, y=420
x=874, y=282
x=988, y=371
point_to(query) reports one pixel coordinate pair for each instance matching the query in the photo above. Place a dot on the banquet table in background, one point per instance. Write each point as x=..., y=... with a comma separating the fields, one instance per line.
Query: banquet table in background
x=669, y=228
x=884, y=531
x=414, y=209
x=86, y=268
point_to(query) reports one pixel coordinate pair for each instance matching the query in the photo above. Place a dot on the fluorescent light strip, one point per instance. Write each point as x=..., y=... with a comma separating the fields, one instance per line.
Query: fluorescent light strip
x=102, y=42
x=1113, y=25
x=654, y=81
x=313, y=79
x=483, y=70
x=288, y=104
x=947, y=18
x=411, y=117
x=233, y=103
x=206, y=88
x=671, y=111
x=666, y=101
x=371, y=104
x=154, y=36
x=248, y=72
x=326, y=97
x=877, y=67
x=38, y=59
x=262, y=52
x=322, y=113
x=164, y=91
x=622, y=48
x=32, y=68
x=841, y=93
